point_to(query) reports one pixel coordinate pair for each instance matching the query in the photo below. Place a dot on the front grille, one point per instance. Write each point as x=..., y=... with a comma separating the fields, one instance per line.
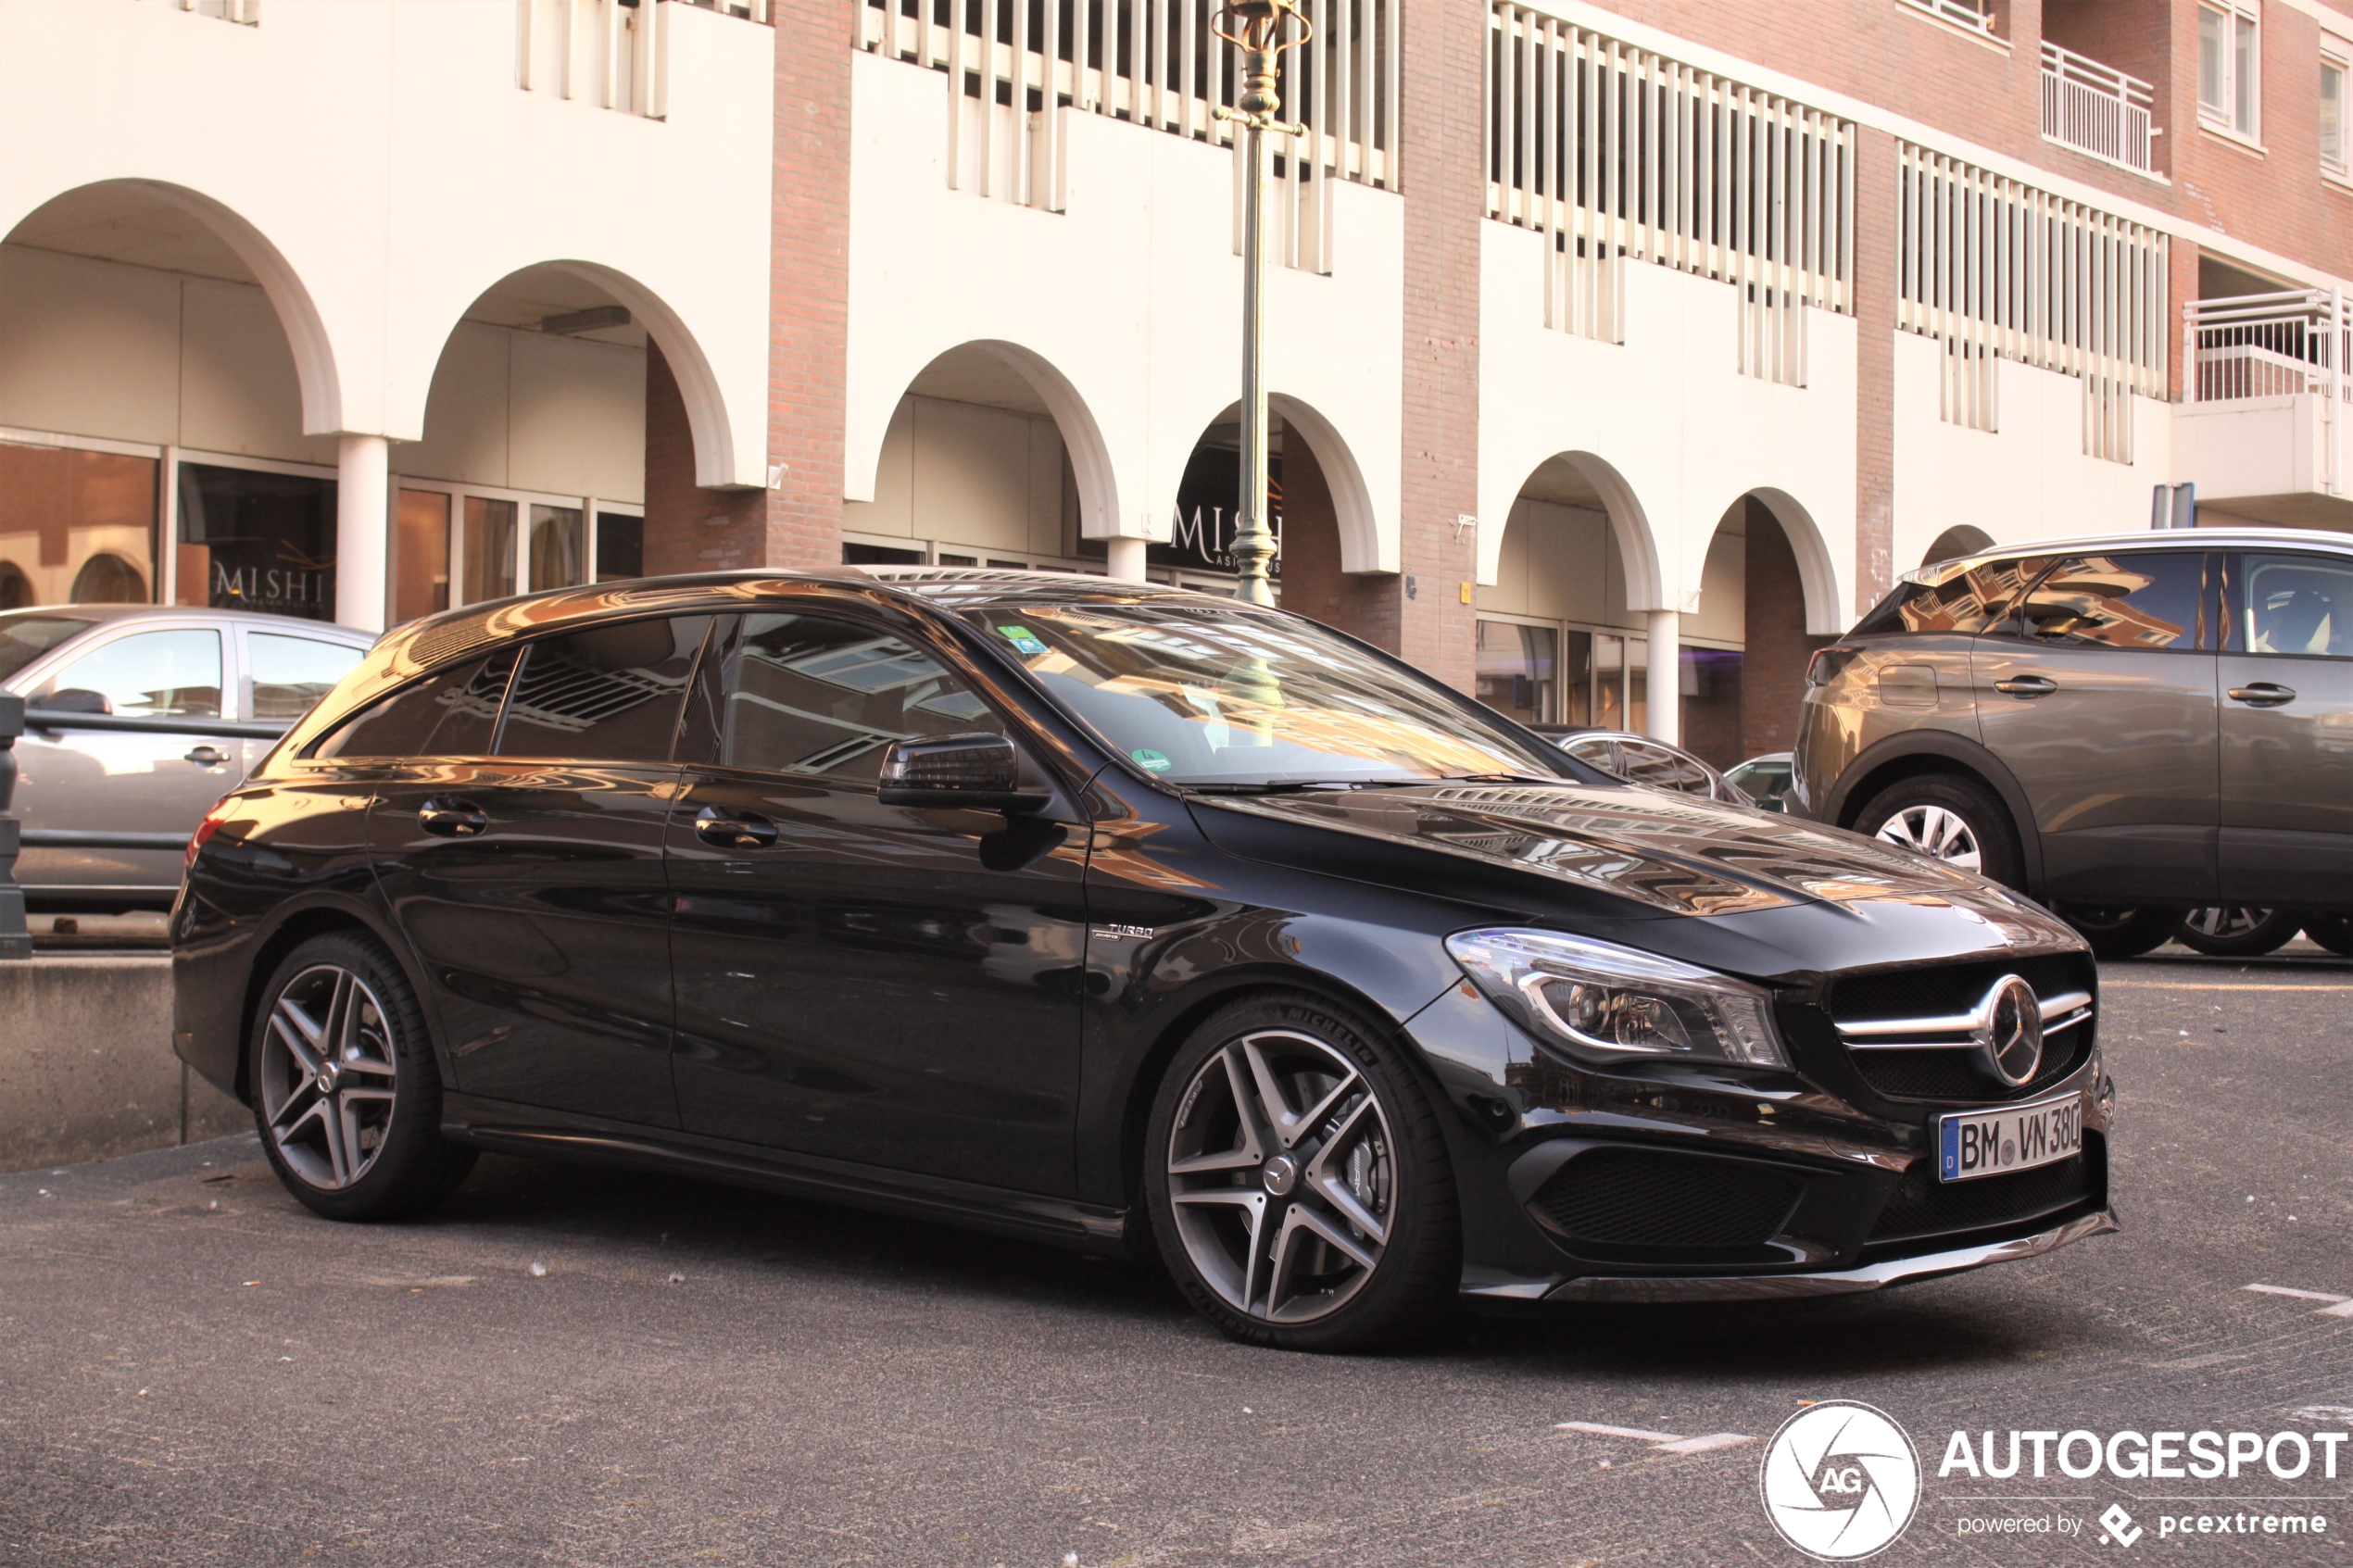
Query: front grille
x=1641, y=1197
x=1955, y=1074
x=1924, y=1205
x=1946, y=990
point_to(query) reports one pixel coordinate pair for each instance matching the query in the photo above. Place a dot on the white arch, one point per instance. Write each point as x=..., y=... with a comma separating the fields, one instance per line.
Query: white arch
x=1816, y=571
x=297, y=313
x=1351, y=497
x=1628, y=523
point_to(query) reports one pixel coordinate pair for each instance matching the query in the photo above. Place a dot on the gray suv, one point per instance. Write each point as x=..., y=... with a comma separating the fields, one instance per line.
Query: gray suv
x=2123, y=726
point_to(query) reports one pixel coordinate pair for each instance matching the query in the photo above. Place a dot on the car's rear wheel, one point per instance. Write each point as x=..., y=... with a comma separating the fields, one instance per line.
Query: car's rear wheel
x=345, y=1092
x=2235, y=932
x=2121, y=932
x=1298, y=1182
x=2332, y=931
x=1953, y=820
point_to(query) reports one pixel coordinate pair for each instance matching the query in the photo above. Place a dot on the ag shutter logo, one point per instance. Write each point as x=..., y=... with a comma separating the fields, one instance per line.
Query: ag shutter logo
x=1840, y=1481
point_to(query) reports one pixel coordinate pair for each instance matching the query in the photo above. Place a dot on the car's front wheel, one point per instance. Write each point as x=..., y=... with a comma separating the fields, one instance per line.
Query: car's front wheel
x=1298, y=1182
x=2234, y=932
x=1955, y=820
x=345, y=1092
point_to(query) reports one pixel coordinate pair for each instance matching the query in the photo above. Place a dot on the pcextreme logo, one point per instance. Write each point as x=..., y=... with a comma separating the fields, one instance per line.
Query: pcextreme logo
x=1840, y=1481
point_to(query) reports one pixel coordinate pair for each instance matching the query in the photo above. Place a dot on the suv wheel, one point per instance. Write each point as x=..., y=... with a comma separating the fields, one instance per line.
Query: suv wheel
x=2121, y=932
x=1298, y=1182
x=2332, y=931
x=1955, y=820
x=345, y=1092
x=2232, y=931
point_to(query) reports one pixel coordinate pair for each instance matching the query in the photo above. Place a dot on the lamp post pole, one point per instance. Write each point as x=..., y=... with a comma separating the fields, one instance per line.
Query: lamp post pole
x=1257, y=29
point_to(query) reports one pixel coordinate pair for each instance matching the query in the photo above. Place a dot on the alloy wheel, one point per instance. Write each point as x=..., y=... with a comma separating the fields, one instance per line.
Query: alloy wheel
x=1283, y=1177
x=2225, y=922
x=1935, y=832
x=328, y=1076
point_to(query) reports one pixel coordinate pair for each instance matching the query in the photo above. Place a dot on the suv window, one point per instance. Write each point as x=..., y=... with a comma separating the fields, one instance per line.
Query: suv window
x=2129, y=599
x=2295, y=605
x=146, y=676
x=808, y=694
x=607, y=694
x=1973, y=602
x=453, y=713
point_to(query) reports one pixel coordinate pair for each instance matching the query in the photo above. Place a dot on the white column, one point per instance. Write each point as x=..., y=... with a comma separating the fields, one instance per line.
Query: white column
x=1665, y=682
x=363, y=505
x=1127, y=559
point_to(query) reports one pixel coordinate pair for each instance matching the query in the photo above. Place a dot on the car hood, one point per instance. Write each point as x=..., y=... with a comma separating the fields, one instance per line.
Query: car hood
x=1664, y=853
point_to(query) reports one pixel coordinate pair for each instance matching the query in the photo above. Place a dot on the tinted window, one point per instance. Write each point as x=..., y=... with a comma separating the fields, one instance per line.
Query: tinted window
x=453, y=713
x=807, y=694
x=149, y=675
x=1971, y=602
x=2295, y=604
x=290, y=674
x=610, y=693
x=2138, y=599
x=24, y=638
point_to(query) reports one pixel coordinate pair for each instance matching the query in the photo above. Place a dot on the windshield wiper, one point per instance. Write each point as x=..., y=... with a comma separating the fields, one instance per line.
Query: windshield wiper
x=1293, y=787
x=1502, y=778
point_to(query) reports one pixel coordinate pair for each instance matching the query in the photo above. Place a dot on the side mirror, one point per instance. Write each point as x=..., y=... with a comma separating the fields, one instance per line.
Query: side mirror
x=73, y=699
x=976, y=771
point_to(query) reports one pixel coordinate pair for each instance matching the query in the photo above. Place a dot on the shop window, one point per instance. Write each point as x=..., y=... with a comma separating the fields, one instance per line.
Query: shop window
x=421, y=555
x=1621, y=681
x=621, y=546
x=490, y=548
x=61, y=508
x=558, y=546
x=256, y=541
x=1517, y=670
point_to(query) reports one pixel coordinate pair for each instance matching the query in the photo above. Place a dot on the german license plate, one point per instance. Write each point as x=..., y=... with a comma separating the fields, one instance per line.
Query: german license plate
x=1971, y=1144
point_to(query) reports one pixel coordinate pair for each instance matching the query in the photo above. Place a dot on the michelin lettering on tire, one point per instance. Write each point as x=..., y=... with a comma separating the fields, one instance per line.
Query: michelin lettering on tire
x=1840, y=1481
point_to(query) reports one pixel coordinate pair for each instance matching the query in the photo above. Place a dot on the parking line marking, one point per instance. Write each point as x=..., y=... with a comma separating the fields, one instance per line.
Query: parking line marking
x=1660, y=1442
x=1598, y=1430
x=1707, y=1445
x=2300, y=1295
x=2161, y=986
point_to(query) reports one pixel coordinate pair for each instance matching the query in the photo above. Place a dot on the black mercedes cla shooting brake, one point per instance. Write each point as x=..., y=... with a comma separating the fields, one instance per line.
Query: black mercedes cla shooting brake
x=1125, y=918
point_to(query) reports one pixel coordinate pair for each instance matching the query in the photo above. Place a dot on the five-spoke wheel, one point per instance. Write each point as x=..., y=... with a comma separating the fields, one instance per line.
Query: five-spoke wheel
x=1935, y=832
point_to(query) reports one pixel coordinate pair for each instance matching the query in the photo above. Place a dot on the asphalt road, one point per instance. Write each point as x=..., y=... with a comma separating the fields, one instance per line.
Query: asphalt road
x=194, y=1371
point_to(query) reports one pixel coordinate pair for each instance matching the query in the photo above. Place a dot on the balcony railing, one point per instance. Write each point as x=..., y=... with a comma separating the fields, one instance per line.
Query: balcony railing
x=2096, y=108
x=2268, y=346
x=245, y=13
x=1971, y=14
x=614, y=53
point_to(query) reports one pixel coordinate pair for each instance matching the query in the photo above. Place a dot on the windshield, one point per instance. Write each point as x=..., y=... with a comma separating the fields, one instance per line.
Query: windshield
x=26, y=636
x=1212, y=695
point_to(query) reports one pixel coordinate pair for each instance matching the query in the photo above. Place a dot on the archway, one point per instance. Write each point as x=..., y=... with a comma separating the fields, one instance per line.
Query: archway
x=1769, y=598
x=1961, y=539
x=991, y=457
x=167, y=366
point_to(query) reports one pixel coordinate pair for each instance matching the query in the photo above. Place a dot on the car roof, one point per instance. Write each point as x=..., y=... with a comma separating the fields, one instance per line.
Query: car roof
x=2149, y=538
x=108, y=614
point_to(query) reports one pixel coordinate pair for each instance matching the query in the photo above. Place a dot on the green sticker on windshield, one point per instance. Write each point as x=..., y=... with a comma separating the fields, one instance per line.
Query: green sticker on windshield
x=1025, y=641
x=1147, y=757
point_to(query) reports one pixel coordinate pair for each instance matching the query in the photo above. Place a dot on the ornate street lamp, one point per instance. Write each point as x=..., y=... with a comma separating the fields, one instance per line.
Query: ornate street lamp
x=1258, y=30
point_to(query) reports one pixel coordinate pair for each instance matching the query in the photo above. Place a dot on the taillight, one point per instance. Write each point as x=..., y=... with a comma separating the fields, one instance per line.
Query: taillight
x=1826, y=663
x=205, y=829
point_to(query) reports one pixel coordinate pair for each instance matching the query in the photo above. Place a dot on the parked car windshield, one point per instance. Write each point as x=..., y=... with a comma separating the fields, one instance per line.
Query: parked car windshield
x=1211, y=694
x=27, y=634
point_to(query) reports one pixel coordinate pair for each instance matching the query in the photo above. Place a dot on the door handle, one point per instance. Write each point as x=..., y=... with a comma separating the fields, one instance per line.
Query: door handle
x=2027, y=685
x=206, y=756
x=452, y=819
x=2263, y=694
x=744, y=830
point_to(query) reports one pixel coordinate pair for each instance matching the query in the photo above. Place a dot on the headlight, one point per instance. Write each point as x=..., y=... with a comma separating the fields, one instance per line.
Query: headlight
x=1606, y=1003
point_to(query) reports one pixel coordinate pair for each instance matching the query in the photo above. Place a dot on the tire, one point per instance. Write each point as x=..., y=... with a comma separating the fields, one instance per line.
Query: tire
x=2121, y=932
x=2233, y=931
x=1332, y=1224
x=369, y=1147
x=1951, y=819
x=2332, y=931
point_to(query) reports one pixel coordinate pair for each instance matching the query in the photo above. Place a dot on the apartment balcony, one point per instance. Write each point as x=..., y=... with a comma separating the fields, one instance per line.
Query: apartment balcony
x=2096, y=109
x=2265, y=399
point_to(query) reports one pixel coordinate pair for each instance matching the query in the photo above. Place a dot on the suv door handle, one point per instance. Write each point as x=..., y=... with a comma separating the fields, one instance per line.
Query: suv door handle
x=206, y=756
x=2027, y=685
x=2263, y=694
x=452, y=819
x=744, y=830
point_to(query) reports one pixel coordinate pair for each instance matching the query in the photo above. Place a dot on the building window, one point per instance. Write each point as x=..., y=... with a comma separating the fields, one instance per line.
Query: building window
x=2229, y=50
x=2333, y=147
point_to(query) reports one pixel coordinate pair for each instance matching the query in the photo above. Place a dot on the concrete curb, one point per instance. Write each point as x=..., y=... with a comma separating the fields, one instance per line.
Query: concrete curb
x=86, y=1069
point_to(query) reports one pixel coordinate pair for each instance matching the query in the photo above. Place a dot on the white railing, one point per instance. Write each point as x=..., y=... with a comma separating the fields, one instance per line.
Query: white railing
x=1992, y=267
x=1014, y=69
x=245, y=13
x=614, y=53
x=1612, y=151
x=1970, y=14
x=2096, y=108
x=2268, y=345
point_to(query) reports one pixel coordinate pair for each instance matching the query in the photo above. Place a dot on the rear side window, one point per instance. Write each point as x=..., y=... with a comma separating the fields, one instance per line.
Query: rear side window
x=1973, y=602
x=2130, y=599
x=290, y=674
x=807, y=694
x=2295, y=604
x=610, y=693
x=452, y=714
